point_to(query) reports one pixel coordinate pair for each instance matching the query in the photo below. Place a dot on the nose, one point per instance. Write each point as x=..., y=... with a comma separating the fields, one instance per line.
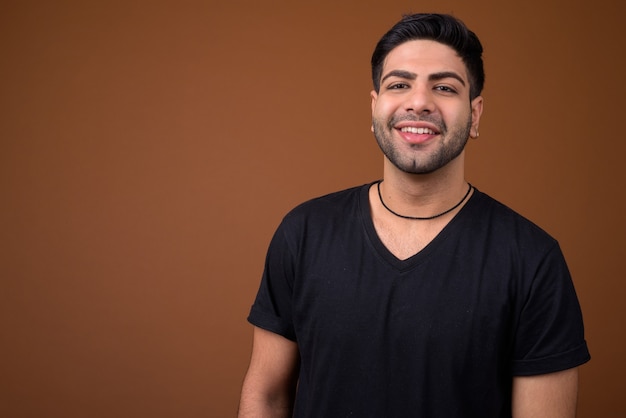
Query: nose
x=420, y=100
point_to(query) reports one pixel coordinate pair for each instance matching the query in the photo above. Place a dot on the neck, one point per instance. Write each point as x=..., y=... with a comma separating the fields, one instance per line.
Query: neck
x=423, y=195
x=423, y=218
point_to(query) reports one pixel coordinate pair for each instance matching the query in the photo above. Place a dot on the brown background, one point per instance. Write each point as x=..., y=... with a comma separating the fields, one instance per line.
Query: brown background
x=149, y=149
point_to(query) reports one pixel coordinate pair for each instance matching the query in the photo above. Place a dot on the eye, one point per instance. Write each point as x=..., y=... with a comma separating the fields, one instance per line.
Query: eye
x=398, y=86
x=445, y=89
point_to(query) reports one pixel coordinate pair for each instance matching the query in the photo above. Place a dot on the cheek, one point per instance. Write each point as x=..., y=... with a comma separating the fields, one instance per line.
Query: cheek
x=382, y=109
x=457, y=116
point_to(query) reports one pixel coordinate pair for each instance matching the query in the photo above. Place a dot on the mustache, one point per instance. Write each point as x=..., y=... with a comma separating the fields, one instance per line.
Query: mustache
x=437, y=121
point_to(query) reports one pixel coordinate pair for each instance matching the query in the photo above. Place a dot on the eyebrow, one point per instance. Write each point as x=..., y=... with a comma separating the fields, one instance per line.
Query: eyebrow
x=408, y=75
x=446, y=74
x=400, y=74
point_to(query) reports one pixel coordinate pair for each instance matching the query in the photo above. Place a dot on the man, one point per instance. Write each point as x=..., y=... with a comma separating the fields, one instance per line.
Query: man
x=418, y=295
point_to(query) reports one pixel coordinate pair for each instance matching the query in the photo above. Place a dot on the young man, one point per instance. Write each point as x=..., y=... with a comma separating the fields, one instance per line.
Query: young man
x=417, y=295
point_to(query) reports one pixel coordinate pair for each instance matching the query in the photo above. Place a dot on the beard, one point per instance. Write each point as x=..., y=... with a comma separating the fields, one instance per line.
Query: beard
x=419, y=161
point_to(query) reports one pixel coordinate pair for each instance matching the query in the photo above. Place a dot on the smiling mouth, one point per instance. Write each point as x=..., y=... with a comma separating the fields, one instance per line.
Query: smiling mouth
x=419, y=131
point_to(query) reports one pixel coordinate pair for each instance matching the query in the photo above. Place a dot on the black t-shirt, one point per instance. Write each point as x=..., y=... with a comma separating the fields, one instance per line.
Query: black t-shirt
x=440, y=334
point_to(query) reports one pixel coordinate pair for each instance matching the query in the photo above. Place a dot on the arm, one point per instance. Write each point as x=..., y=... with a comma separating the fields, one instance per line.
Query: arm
x=550, y=395
x=270, y=383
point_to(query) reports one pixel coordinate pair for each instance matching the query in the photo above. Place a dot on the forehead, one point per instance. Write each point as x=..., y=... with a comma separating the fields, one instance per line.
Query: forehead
x=424, y=57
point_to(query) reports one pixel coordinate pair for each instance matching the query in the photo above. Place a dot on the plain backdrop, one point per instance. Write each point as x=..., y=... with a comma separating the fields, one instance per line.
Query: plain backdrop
x=148, y=150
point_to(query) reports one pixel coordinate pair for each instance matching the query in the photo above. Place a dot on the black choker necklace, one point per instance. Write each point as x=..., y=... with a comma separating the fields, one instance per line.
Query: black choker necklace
x=417, y=218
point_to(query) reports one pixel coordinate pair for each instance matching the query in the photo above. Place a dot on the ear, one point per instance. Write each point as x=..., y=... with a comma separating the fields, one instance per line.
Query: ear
x=477, y=111
x=374, y=97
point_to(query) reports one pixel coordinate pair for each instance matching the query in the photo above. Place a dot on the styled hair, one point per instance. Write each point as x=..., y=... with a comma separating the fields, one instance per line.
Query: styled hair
x=442, y=28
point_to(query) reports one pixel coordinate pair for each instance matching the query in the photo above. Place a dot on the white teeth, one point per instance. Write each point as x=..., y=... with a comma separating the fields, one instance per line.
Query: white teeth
x=415, y=130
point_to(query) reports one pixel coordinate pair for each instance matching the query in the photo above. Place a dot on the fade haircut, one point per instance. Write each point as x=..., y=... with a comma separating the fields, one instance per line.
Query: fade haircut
x=441, y=28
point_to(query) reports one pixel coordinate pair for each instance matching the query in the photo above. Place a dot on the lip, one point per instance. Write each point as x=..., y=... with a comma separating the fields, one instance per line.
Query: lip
x=416, y=138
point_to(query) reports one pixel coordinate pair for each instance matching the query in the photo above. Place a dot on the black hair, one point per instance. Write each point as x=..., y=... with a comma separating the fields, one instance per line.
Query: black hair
x=442, y=28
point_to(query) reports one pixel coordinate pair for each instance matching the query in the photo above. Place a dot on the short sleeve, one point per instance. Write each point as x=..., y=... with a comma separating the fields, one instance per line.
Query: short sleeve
x=272, y=308
x=549, y=336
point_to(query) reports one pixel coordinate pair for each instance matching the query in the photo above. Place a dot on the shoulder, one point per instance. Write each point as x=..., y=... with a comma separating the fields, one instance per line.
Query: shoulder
x=504, y=223
x=337, y=204
x=324, y=218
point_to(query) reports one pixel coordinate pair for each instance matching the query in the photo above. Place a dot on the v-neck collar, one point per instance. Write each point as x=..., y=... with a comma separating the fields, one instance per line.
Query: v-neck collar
x=422, y=255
